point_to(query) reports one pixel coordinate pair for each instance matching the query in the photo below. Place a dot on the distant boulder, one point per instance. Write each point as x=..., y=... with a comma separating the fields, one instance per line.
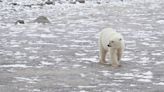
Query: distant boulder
x=40, y=4
x=41, y=19
x=14, y=3
x=28, y=5
x=19, y=22
x=72, y=1
x=98, y=2
x=48, y=2
x=81, y=1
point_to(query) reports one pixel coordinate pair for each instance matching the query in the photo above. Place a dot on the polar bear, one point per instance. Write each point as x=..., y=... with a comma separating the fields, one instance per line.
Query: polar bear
x=112, y=42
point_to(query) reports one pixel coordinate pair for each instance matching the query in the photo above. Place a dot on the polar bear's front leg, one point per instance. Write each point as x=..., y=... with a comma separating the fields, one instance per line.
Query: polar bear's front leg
x=114, y=57
x=119, y=54
x=102, y=55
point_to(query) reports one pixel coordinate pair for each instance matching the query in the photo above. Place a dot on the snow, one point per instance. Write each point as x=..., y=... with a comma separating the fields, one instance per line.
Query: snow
x=112, y=84
x=15, y=66
x=83, y=91
x=160, y=21
x=126, y=74
x=36, y=90
x=149, y=73
x=81, y=87
x=126, y=59
x=143, y=77
x=144, y=80
x=33, y=57
x=76, y=66
x=89, y=59
x=63, y=55
x=132, y=85
x=80, y=54
x=42, y=35
x=159, y=62
x=106, y=73
x=82, y=75
x=46, y=63
x=146, y=75
x=156, y=54
x=160, y=83
x=29, y=80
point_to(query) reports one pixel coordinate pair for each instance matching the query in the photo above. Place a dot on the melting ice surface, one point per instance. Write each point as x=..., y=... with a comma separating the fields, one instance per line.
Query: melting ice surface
x=63, y=56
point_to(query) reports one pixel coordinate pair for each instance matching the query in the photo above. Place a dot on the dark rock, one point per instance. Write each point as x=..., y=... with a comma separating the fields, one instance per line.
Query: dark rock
x=14, y=3
x=98, y=2
x=28, y=6
x=60, y=2
x=42, y=19
x=49, y=2
x=72, y=1
x=81, y=1
x=41, y=4
x=19, y=22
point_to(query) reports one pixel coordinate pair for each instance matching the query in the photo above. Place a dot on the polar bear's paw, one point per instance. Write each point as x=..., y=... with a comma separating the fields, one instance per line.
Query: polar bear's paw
x=116, y=65
x=102, y=62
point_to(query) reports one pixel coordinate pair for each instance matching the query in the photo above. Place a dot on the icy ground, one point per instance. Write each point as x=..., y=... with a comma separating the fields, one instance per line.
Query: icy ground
x=63, y=56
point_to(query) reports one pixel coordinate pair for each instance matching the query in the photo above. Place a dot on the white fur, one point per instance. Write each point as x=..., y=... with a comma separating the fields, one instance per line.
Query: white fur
x=109, y=36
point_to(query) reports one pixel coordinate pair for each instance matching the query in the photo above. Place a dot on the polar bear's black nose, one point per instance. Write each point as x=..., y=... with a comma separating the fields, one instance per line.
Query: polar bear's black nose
x=108, y=45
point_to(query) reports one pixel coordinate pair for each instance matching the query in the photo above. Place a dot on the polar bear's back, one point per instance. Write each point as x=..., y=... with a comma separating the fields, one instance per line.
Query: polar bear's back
x=108, y=31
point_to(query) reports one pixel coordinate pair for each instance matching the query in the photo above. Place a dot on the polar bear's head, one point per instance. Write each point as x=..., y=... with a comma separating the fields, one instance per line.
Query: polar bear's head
x=115, y=42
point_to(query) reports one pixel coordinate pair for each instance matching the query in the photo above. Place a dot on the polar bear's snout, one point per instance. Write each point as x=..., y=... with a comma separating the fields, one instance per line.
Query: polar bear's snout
x=109, y=45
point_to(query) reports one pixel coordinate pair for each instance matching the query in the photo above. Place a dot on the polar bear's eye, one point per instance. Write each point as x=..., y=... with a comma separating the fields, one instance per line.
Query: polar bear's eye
x=112, y=41
x=120, y=39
